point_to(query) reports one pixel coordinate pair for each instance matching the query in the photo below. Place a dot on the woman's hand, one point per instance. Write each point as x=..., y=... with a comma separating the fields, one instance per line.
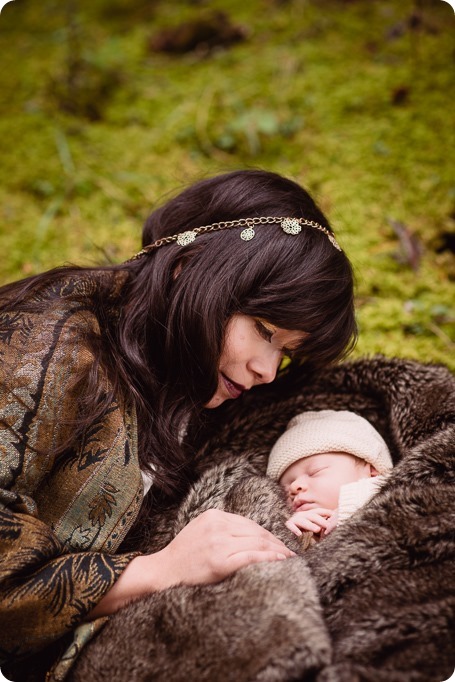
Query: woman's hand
x=211, y=547
x=216, y=544
x=313, y=520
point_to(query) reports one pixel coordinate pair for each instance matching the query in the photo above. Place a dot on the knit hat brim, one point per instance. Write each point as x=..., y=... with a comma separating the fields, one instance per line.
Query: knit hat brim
x=311, y=433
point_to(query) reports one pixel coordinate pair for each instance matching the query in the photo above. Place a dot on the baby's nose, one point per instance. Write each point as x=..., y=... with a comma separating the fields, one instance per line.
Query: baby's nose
x=298, y=486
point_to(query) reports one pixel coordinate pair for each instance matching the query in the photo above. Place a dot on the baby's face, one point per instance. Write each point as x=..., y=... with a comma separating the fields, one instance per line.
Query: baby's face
x=315, y=481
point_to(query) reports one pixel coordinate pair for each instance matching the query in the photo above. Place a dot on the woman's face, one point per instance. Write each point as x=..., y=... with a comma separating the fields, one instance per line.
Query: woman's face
x=251, y=355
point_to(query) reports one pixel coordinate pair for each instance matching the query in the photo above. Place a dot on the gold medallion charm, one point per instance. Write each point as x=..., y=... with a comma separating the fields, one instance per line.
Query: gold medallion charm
x=291, y=226
x=186, y=238
x=247, y=234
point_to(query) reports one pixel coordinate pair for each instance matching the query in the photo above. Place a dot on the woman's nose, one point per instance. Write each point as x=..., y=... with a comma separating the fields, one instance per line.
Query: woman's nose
x=266, y=367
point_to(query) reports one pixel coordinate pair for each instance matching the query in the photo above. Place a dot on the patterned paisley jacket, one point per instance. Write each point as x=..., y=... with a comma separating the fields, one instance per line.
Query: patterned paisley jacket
x=61, y=517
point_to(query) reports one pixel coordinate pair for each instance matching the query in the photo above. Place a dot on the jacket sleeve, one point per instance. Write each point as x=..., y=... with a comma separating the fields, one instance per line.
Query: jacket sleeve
x=46, y=588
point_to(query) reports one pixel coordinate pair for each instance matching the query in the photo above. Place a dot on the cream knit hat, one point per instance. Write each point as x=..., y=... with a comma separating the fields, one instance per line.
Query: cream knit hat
x=312, y=433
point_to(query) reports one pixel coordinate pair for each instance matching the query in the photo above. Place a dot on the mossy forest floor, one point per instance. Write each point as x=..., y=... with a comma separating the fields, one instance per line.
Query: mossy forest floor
x=353, y=99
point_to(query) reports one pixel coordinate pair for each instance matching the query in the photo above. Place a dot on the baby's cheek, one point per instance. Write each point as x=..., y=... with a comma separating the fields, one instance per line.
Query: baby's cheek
x=286, y=491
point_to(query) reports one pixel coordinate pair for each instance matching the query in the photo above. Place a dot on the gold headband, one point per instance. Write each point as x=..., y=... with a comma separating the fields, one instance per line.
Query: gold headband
x=288, y=225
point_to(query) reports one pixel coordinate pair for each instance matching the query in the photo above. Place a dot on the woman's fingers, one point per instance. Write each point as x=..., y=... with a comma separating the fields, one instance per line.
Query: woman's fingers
x=242, y=559
x=257, y=545
x=243, y=530
x=241, y=526
x=207, y=550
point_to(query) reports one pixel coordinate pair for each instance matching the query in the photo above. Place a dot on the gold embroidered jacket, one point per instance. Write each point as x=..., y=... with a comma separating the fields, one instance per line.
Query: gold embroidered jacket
x=61, y=517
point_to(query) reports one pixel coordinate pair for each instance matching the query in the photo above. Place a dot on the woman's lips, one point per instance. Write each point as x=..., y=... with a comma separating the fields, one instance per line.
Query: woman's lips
x=234, y=390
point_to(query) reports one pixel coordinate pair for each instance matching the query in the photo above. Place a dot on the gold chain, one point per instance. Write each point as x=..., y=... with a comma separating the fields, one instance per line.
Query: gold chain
x=190, y=235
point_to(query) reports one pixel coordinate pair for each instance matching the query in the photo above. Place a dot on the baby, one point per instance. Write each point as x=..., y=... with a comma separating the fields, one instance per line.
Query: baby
x=330, y=463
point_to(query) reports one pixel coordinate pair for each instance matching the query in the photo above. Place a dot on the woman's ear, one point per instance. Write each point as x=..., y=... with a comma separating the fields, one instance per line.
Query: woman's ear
x=373, y=471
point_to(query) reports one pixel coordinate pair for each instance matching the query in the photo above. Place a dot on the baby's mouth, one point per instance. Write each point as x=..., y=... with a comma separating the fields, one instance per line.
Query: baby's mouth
x=302, y=505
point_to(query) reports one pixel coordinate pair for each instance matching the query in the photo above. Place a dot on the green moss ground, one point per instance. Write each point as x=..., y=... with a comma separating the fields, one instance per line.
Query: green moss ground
x=354, y=99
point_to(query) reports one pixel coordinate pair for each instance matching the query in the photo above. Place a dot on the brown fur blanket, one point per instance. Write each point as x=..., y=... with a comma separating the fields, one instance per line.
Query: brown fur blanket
x=375, y=601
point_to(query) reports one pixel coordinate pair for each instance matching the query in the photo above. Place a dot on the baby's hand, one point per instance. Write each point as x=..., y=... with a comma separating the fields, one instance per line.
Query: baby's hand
x=314, y=520
x=332, y=522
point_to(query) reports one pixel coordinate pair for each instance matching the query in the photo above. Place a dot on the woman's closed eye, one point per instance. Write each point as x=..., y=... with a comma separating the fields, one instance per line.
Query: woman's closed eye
x=264, y=331
x=272, y=334
x=267, y=333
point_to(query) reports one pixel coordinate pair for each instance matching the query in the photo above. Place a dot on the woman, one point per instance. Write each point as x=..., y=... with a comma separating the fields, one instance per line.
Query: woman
x=102, y=371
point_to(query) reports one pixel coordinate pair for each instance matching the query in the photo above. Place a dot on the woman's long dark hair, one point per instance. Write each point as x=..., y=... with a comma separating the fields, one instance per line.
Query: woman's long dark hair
x=162, y=345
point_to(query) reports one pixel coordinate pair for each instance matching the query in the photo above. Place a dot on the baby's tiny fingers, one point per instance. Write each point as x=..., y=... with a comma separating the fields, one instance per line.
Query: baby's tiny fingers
x=292, y=527
x=313, y=527
x=321, y=511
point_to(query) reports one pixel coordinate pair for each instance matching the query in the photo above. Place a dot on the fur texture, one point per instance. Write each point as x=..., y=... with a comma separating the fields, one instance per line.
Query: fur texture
x=375, y=601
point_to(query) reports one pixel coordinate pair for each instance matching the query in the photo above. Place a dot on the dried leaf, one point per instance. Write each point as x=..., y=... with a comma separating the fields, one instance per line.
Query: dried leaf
x=411, y=248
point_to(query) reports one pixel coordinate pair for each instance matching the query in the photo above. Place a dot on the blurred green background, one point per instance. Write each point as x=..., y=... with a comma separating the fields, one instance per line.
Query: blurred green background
x=110, y=106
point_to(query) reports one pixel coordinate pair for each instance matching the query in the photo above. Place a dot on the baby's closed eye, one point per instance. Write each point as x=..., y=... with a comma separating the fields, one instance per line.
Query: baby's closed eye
x=314, y=472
